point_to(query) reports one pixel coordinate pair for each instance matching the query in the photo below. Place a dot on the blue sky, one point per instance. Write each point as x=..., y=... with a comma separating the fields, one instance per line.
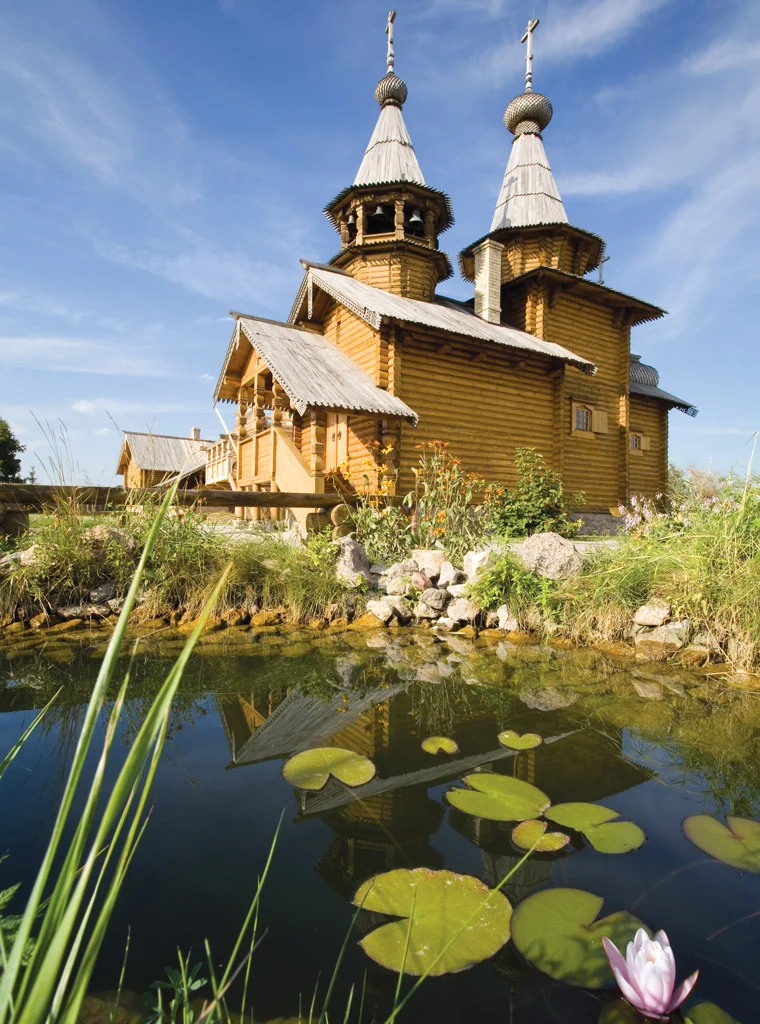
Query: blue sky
x=162, y=163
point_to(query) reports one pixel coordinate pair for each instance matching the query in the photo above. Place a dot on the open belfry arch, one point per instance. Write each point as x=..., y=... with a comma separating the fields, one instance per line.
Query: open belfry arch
x=373, y=361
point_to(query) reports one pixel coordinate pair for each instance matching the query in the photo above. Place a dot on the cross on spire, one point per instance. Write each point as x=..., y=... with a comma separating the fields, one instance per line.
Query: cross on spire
x=389, y=33
x=528, y=38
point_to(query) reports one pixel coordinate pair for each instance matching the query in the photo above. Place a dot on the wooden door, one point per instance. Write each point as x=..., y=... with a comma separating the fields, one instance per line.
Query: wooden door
x=336, y=441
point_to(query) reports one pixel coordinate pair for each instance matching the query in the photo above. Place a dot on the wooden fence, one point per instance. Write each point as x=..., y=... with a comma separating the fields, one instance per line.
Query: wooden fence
x=36, y=497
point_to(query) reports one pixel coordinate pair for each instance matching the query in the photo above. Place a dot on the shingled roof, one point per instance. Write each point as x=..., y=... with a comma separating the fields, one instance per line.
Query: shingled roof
x=373, y=305
x=645, y=380
x=310, y=369
x=163, y=453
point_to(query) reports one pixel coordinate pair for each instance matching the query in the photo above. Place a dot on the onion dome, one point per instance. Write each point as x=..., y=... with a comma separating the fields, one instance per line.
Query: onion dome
x=528, y=114
x=643, y=373
x=391, y=91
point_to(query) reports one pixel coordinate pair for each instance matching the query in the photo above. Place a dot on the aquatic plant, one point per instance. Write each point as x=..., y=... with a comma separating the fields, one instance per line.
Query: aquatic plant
x=504, y=798
x=528, y=740
x=439, y=745
x=558, y=932
x=647, y=975
x=90, y=849
x=532, y=835
x=737, y=843
x=312, y=768
x=446, y=921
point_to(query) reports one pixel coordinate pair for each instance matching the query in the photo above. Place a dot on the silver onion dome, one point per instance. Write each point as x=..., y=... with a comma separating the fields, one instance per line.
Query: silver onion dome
x=528, y=114
x=391, y=90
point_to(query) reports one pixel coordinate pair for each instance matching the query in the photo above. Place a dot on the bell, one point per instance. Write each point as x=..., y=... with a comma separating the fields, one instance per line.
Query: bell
x=379, y=211
x=352, y=218
x=416, y=217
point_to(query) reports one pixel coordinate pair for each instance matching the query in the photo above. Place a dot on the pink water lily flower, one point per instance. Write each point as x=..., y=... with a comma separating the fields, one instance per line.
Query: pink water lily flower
x=647, y=976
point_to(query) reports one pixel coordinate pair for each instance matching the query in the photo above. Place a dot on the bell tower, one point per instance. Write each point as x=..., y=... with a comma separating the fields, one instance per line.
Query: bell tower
x=530, y=228
x=389, y=220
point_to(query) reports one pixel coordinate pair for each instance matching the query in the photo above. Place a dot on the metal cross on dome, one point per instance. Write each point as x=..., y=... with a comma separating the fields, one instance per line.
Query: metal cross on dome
x=528, y=38
x=389, y=33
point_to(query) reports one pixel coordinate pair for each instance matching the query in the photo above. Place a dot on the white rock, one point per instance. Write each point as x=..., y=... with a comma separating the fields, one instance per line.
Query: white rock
x=432, y=603
x=352, y=567
x=381, y=609
x=458, y=589
x=462, y=610
x=506, y=619
x=402, y=608
x=429, y=560
x=405, y=568
x=550, y=556
x=476, y=561
x=655, y=613
x=445, y=624
x=449, y=575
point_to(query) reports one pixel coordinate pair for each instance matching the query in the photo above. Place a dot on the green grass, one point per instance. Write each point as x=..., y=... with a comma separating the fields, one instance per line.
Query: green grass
x=75, y=553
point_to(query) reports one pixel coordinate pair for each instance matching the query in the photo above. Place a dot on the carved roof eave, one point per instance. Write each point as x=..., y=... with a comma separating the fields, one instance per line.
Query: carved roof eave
x=638, y=310
x=376, y=319
x=467, y=259
x=441, y=258
x=327, y=378
x=385, y=188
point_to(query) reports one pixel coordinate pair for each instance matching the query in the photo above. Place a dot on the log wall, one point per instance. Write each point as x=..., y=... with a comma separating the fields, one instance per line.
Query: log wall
x=649, y=466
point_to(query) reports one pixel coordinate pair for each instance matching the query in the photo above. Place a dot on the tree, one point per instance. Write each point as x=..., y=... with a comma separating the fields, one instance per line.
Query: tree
x=10, y=449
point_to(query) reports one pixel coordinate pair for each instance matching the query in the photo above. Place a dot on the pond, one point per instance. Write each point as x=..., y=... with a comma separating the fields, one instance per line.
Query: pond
x=653, y=743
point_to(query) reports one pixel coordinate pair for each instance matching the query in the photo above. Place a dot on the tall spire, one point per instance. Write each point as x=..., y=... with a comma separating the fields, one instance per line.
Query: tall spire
x=390, y=157
x=529, y=194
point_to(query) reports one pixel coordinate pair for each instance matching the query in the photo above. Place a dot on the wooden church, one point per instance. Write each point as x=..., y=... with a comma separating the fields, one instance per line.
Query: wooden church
x=374, y=361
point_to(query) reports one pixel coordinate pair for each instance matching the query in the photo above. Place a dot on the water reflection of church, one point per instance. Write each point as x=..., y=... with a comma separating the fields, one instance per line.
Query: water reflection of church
x=390, y=821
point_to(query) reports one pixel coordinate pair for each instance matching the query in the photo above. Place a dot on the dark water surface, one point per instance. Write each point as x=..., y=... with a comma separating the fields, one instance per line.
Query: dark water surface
x=642, y=739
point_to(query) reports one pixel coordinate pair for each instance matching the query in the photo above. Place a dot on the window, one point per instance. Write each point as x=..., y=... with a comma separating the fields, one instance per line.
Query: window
x=639, y=442
x=587, y=420
x=582, y=418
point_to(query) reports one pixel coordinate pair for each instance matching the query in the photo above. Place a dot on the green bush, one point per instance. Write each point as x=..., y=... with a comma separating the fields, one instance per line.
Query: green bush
x=507, y=581
x=536, y=505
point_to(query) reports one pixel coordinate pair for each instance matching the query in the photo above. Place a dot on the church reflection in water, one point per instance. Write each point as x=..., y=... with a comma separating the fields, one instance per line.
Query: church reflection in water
x=390, y=822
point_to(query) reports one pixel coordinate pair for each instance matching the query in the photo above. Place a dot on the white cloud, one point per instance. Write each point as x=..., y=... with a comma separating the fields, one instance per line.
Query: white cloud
x=725, y=55
x=215, y=273
x=569, y=30
x=83, y=406
x=73, y=355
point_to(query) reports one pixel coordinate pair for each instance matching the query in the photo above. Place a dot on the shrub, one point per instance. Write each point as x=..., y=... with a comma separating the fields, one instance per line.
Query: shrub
x=537, y=504
x=507, y=581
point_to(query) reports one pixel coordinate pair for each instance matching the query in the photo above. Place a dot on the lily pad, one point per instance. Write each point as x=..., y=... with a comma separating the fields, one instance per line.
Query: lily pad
x=596, y=824
x=737, y=845
x=616, y=837
x=312, y=768
x=531, y=831
x=528, y=740
x=709, y=1013
x=447, y=910
x=557, y=931
x=579, y=816
x=440, y=745
x=498, y=797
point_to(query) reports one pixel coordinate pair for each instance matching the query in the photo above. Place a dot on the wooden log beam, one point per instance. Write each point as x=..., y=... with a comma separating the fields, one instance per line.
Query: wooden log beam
x=35, y=497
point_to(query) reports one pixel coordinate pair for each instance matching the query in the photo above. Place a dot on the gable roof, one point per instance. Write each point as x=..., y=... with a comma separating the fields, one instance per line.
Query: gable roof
x=373, y=305
x=163, y=453
x=311, y=370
